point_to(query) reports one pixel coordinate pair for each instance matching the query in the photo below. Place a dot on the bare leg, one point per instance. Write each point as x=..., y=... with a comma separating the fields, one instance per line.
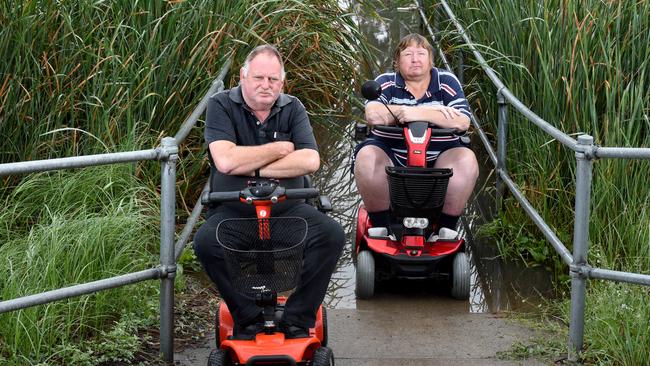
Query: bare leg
x=370, y=176
x=461, y=184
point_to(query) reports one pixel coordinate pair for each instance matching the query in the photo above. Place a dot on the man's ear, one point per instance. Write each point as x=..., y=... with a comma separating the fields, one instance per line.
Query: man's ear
x=241, y=74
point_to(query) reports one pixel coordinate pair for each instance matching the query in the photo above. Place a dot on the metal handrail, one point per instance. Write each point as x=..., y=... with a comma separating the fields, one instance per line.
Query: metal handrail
x=586, y=152
x=167, y=153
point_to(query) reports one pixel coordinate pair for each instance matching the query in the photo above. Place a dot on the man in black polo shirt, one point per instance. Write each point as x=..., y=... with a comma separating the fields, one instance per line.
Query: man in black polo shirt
x=255, y=129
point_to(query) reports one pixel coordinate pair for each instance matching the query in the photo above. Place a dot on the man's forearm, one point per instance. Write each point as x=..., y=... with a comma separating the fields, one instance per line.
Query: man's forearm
x=441, y=116
x=243, y=160
x=378, y=114
x=299, y=162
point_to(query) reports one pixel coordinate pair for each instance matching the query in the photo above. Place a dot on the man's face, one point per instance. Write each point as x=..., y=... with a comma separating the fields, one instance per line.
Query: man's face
x=262, y=85
x=414, y=61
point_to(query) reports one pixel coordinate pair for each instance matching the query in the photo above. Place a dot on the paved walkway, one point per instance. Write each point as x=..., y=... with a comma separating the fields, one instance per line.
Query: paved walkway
x=411, y=331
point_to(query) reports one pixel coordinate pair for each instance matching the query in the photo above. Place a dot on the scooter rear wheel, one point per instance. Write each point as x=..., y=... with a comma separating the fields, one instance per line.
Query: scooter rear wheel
x=324, y=341
x=323, y=356
x=217, y=326
x=460, y=277
x=365, y=275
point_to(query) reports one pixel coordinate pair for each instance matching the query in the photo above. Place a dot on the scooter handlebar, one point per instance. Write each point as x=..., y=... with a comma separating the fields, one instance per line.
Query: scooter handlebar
x=235, y=196
x=434, y=131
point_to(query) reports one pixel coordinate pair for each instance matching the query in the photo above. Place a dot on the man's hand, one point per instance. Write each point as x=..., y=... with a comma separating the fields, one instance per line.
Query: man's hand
x=283, y=148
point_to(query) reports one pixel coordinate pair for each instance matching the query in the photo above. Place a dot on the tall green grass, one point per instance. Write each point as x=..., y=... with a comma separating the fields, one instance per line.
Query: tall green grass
x=67, y=228
x=582, y=66
x=91, y=77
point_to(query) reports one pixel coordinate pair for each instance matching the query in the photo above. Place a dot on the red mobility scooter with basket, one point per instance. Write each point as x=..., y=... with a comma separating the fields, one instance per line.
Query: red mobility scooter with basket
x=264, y=257
x=408, y=249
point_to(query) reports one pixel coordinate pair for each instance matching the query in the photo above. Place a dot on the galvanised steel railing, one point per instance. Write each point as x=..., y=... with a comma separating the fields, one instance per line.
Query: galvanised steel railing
x=167, y=154
x=585, y=151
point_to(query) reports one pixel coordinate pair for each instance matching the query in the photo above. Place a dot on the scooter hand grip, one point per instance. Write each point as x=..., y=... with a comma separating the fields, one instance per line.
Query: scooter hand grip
x=217, y=197
x=389, y=129
x=301, y=193
x=445, y=132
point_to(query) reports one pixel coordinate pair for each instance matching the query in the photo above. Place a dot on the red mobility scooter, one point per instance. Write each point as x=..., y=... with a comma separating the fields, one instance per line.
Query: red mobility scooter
x=264, y=257
x=408, y=249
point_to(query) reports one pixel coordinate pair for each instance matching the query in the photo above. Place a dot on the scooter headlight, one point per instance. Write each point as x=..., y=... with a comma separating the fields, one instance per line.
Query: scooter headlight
x=415, y=222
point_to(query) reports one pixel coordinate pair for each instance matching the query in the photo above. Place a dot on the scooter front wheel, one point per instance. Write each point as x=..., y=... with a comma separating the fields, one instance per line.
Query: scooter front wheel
x=460, y=277
x=323, y=356
x=365, y=275
x=219, y=357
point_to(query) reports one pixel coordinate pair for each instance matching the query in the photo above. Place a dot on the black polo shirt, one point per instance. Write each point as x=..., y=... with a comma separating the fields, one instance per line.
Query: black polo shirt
x=229, y=118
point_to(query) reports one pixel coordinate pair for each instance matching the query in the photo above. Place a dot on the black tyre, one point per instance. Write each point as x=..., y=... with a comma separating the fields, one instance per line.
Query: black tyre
x=323, y=356
x=219, y=357
x=324, y=341
x=217, y=326
x=355, y=225
x=460, y=277
x=365, y=275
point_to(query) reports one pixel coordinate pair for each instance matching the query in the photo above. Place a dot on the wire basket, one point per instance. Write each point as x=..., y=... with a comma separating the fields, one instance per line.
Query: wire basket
x=263, y=254
x=417, y=192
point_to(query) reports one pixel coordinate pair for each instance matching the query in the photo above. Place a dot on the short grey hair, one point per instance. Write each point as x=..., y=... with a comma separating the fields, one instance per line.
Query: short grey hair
x=265, y=48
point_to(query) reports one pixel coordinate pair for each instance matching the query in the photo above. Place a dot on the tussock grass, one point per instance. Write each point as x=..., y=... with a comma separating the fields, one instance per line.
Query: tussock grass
x=582, y=66
x=68, y=228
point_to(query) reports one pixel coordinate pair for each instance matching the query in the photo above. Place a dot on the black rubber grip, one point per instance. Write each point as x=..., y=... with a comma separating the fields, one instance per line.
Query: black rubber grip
x=217, y=197
x=301, y=193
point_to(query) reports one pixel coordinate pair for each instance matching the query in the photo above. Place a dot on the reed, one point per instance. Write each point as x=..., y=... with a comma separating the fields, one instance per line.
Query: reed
x=125, y=73
x=60, y=229
x=582, y=66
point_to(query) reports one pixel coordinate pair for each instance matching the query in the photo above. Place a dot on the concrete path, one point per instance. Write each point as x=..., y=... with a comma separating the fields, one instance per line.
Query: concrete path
x=410, y=330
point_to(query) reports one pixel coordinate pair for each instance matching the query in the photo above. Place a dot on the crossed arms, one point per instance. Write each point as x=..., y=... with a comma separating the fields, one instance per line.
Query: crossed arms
x=441, y=116
x=274, y=160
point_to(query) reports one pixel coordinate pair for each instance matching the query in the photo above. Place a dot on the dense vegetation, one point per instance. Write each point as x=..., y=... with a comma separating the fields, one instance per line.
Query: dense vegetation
x=582, y=66
x=92, y=77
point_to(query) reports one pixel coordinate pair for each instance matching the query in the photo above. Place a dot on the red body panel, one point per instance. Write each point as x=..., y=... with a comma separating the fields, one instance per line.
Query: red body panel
x=417, y=151
x=408, y=243
x=299, y=349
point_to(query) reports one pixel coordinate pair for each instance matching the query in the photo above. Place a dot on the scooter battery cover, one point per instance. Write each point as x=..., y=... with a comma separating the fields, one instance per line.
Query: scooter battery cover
x=417, y=192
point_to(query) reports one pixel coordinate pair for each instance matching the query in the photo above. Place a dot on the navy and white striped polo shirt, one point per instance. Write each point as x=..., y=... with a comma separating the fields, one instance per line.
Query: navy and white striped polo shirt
x=444, y=89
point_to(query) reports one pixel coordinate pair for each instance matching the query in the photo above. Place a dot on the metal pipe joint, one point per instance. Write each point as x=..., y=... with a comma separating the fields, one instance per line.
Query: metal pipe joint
x=501, y=100
x=579, y=270
x=167, y=271
x=168, y=149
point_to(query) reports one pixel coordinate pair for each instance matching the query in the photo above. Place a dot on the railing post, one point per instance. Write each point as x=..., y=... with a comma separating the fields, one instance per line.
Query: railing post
x=167, y=260
x=460, y=68
x=502, y=133
x=579, y=267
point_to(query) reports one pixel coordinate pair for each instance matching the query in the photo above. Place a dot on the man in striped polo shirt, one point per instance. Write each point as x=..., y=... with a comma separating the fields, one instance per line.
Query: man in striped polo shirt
x=416, y=91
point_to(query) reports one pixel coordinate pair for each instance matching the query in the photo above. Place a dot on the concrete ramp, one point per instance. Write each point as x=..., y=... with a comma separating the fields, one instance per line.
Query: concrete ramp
x=393, y=330
x=409, y=330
